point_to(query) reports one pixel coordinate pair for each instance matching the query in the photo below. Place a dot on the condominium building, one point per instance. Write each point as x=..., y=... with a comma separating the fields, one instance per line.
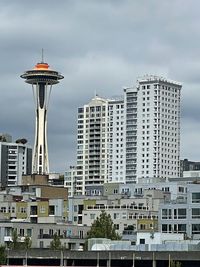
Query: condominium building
x=101, y=145
x=130, y=139
x=15, y=161
x=72, y=237
x=92, y=147
x=116, y=141
x=152, y=129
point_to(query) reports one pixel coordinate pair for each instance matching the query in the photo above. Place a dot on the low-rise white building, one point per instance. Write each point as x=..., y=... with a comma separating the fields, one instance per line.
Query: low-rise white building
x=176, y=217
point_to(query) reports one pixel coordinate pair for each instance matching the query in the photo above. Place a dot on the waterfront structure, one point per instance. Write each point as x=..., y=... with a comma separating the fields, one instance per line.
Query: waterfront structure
x=15, y=161
x=41, y=78
x=123, y=255
x=152, y=129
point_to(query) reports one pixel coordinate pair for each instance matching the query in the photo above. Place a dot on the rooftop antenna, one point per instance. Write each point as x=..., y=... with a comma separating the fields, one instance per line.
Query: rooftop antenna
x=42, y=56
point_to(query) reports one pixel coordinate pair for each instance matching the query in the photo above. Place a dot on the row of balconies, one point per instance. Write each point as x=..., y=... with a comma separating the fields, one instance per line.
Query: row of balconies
x=137, y=217
x=131, y=122
x=65, y=236
x=131, y=99
x=131, y=155
x=95, y=126
x=116, y=207
x=130, y=176
x=8, y=238
x=131, y=110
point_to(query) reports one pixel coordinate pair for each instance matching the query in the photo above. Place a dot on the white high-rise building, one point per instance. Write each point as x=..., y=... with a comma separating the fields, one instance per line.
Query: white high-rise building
x=152, y=129
x=92, y=146
x=101, y=145
x=116, y=141
x=126, y=140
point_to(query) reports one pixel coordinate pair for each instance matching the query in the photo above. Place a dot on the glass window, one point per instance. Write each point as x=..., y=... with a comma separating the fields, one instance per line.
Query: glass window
x=164, y=228
x=166, y=214
x=181, y=228
x=92, y=216
x=195, y=197
x=195, y=228
x=181, y=213
x=195, y=213
x=116, y=216
x=29, y=232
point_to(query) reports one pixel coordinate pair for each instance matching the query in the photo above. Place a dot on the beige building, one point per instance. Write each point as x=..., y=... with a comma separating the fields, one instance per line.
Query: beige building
x=71, y=236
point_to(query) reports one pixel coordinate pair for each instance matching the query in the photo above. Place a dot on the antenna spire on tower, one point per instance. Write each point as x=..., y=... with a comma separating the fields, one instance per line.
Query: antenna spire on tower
x=42, y=56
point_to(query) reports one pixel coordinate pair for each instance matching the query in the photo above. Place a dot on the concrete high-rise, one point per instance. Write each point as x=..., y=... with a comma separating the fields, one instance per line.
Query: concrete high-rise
x=130, y=139
x=15, y=160
x=41, y=78
x=101, y=146
x=152, y=129
x=116, y=140
x=92, y=146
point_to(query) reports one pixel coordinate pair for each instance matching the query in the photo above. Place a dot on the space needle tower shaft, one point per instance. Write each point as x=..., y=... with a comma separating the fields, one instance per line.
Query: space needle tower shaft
x=42, y=78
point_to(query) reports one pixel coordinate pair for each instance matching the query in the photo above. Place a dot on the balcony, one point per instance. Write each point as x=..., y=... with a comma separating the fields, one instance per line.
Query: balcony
x=7, y=238
x=64, y=236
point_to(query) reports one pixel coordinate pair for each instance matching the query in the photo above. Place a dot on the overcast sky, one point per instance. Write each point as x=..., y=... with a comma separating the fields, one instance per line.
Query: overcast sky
x=99, y=46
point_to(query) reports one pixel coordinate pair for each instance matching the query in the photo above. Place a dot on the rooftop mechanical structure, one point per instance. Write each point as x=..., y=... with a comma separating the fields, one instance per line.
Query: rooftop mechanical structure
x=41, y=78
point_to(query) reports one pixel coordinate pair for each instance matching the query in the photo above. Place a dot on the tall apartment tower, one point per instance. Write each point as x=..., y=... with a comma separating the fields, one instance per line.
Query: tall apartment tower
x=101, y=146
x=129, y=140
x=116, y=141
x=152, y=129
x=92, y=146
x=15, y=161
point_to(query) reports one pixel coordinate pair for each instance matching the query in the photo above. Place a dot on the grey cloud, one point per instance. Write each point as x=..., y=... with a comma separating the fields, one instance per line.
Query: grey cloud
x=99, y=46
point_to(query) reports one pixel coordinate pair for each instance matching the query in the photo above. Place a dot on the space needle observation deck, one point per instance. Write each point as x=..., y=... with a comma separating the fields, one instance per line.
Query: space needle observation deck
x=41, y=77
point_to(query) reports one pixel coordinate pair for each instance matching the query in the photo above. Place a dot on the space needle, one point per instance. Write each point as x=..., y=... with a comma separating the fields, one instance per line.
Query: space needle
x=41, y=77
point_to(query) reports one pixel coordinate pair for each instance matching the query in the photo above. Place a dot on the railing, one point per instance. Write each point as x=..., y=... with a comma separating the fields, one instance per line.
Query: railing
x=48, y=236
x=122, y=207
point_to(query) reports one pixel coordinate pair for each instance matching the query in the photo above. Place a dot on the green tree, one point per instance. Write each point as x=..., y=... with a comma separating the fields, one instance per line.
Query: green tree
x=3, y=257
x=14, y=243
x=27, y=243
x=103, y=227
x=56, y=243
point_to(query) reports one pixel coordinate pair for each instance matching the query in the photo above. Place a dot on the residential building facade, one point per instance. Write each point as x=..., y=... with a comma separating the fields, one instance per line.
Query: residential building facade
x=187, y=165
x=15, y=161
x=176, y=217
x=72, y=237
x=152, y=129
x=130, y=139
